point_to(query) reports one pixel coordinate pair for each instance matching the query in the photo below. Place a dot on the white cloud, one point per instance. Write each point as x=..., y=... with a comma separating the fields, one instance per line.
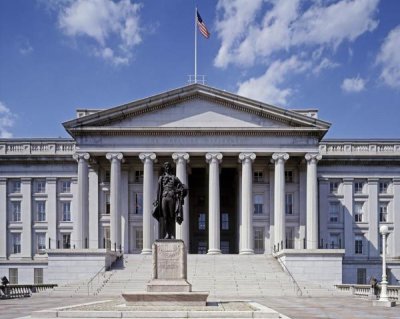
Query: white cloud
x=267, y=87
x=285, y=25
x=353, y=85
x=6, y=121
x=389, y=59
x=114, y=27
x=324, y=64
x=25, y=46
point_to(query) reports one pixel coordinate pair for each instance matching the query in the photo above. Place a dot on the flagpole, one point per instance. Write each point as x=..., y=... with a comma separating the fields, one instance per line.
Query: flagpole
x=195, y=46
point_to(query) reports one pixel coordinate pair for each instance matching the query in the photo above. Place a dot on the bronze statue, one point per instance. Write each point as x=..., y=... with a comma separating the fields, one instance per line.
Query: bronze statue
x=168, y=204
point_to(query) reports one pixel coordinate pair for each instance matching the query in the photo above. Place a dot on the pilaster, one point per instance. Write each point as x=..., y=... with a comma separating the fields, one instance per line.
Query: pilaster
x=115, y=199
x=52, y=213
x=26, y=215
x=3, y=218
x=312, y=200
x=247, y=238
x=279, y=205
x=125, y=211
x=396, y=216
x=181, y=160
x=148, y=197
x=214, y=159
x=373, y=217
x=348, y=216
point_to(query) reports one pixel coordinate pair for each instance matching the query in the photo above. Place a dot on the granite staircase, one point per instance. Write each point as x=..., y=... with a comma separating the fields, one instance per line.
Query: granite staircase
x=229, y=276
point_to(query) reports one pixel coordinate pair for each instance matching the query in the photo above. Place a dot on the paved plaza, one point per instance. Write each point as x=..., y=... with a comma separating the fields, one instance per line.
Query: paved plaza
x=292, y=307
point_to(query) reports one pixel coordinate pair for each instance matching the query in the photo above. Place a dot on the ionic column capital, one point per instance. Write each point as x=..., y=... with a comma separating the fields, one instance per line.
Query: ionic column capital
x=245, y=157
x=313, y=158
x=212, y=157
x=81, y=156
x=180, y=157
x=114, y=156
x=280, y=157
x=147, y=157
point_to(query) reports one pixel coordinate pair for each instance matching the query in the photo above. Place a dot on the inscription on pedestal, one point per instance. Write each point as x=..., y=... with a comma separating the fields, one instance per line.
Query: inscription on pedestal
x=170, y=260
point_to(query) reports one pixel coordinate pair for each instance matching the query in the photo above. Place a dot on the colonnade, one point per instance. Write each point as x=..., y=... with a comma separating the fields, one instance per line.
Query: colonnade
x=214, y=160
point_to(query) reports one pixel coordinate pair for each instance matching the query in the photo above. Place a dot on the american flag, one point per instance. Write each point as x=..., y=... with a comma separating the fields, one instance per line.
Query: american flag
x=202, y=27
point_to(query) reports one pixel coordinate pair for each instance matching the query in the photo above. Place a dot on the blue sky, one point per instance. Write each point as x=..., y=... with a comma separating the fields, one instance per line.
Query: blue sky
x=341, y=57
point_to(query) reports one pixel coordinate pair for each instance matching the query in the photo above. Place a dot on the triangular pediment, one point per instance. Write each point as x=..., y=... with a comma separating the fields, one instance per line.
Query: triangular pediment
x=195, y=107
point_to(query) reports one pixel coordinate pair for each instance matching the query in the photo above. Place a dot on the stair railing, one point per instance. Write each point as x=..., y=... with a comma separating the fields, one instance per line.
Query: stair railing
x=299, y=292
x=97, y=275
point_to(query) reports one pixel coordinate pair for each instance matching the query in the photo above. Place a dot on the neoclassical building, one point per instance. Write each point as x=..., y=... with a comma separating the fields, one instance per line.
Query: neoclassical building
x=261, y=179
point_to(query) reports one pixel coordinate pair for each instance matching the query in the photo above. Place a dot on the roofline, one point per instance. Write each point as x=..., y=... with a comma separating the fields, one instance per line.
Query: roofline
x=36, y=139
x=359, y=140
x=186, y=91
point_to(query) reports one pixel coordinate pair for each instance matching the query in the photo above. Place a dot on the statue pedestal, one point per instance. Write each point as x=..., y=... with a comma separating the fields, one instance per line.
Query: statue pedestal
x=169, y=285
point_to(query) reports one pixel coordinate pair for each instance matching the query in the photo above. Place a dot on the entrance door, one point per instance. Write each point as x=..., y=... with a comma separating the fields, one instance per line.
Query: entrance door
x=228, y=191
x=198, y=207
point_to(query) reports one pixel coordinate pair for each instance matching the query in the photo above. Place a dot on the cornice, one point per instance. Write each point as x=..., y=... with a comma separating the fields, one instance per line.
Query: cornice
x=196, y=131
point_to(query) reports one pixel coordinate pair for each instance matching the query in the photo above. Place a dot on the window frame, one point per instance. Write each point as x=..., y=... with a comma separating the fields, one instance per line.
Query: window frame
x=258, y=204
x=289, y=211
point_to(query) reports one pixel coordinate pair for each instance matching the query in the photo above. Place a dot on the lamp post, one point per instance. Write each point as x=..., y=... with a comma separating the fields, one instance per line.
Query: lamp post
x=384, y=299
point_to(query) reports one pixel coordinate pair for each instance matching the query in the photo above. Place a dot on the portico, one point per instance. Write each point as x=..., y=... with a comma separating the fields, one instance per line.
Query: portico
x=199, y=128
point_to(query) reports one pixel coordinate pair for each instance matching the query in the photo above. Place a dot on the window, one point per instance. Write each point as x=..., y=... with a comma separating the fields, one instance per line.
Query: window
x=38, y=276
x=107, y=236
x=288, y=176
x=383, y=187
x=40, y=186
x=108, y=206
x=202, y=221
x=107, y=177
x=139, y=203
x=259, y=240
x=41, y=241
x=358, y=187
x=16, y=211
x=358, y=212
x=66, y=211
x=334, y=212
x=335, y=241
x=225, y=246
x=66, y=241
x=258, y=176
x=202, y=247
x=139, y=239
x=41, y=211
x=66, y=187
x=361, y=276
x=383, y=212
x=358, y=249
x=225, y=221
x=139, y=177
x=13, y=276
x=16, y=243
x=258, y=204
x=333, y=187
x=290, y=237
x=16, y=186
x=289, y=204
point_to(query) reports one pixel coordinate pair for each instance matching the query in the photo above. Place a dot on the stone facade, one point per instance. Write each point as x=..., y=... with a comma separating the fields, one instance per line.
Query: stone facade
x=261, y=180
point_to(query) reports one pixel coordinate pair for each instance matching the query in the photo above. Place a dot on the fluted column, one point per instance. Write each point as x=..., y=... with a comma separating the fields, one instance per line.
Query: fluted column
x=214, y=159
x=246, y=234
x=115, y=199
x=312, y=200
x=279, y=204
x=182, y=231
x=148, y=198
x=81, y=221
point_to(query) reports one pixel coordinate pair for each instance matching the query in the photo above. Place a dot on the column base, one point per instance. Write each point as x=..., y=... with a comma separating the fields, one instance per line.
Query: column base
x=146, y=251
x=214, y=252
x=246, y=252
